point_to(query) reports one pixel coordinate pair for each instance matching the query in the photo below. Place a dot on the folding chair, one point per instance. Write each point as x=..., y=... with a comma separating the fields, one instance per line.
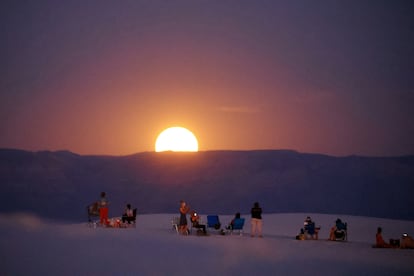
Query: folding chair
x=93, y=214
x=213, y=221
x=238, y=225
x=175, y=222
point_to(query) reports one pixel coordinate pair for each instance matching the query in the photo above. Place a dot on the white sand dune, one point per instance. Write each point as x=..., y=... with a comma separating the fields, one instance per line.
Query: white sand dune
x=31, y=246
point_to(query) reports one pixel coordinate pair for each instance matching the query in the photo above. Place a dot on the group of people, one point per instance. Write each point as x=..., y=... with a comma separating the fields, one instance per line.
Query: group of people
x=256, y=220
x=194, y=219
x=339, y=229
x=256, y=224
x=103, y=204
x=405, y=242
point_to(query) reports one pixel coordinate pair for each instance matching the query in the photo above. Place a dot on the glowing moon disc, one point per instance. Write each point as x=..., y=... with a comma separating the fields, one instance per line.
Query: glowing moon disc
x=176, y=139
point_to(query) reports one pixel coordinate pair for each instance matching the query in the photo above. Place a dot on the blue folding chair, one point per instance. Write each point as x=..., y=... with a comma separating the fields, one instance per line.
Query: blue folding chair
x=311, y=230
x=213, y=222
x=238, y=225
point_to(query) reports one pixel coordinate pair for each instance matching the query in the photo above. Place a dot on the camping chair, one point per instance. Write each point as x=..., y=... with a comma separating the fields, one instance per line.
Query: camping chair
x=213, y=222
x=175, y=222
x=93, y=214
x=238, y=224
x=341, y=231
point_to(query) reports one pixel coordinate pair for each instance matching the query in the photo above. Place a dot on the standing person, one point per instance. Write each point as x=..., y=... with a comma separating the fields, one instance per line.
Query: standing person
x=256, y=220
x=103, y=209
x=184, y=208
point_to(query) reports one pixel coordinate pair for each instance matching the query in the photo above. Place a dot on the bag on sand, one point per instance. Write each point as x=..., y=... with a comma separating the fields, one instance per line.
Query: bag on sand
x=395, y=242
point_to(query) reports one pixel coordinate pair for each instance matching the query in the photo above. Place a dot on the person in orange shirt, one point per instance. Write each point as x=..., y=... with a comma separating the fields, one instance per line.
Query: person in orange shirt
x=380, y=241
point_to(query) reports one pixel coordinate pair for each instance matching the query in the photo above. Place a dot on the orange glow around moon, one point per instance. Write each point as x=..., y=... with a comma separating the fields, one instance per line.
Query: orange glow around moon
x=176, y=139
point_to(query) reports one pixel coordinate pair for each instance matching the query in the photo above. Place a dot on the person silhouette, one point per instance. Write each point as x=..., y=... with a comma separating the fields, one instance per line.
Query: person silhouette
x=256, y=221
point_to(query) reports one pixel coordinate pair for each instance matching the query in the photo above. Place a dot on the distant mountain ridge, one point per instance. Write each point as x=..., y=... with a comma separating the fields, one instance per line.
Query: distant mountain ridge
x=60, y=184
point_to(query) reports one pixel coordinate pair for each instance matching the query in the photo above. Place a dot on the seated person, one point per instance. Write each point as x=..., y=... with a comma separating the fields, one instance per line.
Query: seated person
x=310, y=229
x=339, y=226
x=128, y=215
x=93, y=210
x=407, y=241
x=195, y=220
x=379, y=241
x=230, y=226
x=301, y=235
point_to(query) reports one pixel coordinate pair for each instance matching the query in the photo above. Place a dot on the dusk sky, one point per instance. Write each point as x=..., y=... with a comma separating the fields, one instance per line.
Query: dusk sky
x=106, y=77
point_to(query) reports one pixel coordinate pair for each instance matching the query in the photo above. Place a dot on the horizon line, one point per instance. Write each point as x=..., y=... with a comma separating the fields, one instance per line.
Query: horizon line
x=205, y=151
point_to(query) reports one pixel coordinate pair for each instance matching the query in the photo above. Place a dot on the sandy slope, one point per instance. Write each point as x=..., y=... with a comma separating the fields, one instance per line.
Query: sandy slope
x=30, y=246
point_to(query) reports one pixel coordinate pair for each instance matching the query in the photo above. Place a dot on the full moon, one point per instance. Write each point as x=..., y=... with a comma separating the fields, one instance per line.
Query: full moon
x=176, y=139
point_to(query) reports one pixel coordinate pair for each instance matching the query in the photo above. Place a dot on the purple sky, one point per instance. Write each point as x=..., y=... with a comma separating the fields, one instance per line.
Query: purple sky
x=106, y=77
